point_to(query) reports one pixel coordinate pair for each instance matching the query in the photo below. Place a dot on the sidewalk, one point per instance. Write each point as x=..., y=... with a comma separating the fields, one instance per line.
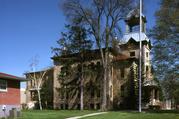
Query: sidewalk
x=87, y=115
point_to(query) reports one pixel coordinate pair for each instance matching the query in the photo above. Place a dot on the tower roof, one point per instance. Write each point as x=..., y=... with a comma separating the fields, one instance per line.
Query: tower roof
x=135, y=36
x=132, y=18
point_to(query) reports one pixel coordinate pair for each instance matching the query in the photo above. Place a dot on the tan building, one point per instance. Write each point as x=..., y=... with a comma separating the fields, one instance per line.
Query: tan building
x=46, y=89
x=23, y=100
x=122, y=84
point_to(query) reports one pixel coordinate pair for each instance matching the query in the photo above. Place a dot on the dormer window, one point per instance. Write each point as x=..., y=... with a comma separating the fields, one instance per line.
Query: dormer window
x=132, y=54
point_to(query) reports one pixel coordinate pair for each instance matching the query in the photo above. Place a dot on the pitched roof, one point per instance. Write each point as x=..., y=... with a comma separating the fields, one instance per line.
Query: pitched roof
x=150, y=83
x=89, y=55
x=8, y=76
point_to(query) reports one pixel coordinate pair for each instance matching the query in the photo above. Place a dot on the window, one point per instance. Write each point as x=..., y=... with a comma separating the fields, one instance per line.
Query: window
x=111, y=91
x=61, y=106
x=132, y=54
x=122, y=91
x=62, y=96
x=67, y=95
x=98, y=106
x=31, y=83
x=92, y=93
x=98, y=93
x=79, y=95
x=78, y=106
x=91, y=106
x=122, y=73
x=3, y=85
x=66, y=106
x=147, y=68
x=147, y=54
x=98, y=65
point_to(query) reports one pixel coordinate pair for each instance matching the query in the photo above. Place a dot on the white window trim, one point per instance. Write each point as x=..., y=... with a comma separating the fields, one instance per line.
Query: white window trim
x=4, y=90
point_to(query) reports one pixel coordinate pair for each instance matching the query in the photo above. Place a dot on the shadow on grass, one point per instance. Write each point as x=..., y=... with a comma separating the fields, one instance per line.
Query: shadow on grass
x=148, y=111
x=163, y=111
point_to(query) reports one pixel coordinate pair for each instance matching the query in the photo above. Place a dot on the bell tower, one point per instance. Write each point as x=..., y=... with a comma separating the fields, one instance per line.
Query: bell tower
x=132, y=22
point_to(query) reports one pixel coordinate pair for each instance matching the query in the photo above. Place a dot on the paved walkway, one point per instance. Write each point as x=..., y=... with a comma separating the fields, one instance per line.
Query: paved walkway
x=87, y=115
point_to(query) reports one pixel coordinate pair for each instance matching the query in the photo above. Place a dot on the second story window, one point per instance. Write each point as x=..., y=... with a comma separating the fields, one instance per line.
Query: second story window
x=31, y=83
x=122, y=73
x=132, y=54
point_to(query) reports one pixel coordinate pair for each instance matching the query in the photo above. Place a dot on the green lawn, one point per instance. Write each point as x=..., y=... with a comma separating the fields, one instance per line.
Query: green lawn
x=62, y=114
x=135, y=115
x=52, y=114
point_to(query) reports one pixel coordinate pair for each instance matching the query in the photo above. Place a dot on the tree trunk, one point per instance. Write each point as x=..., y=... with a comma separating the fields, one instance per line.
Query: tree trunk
x=81, y=89
x=65, y=98
x=105, y=66
x=40, y=104
x=81, y=95
x=104, y=99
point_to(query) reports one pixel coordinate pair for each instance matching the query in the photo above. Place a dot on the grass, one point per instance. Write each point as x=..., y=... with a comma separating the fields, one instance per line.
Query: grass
x=135, y=115
x=52, y=114
x=62, y=114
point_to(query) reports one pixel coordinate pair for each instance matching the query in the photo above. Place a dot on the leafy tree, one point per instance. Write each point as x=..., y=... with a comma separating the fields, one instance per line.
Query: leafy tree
x=166, y=46
x=74, y=41
x=102, y=18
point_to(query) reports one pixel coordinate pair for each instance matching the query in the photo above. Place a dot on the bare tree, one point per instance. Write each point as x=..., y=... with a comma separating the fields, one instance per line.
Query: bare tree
x=37, y=77
x=102, y=18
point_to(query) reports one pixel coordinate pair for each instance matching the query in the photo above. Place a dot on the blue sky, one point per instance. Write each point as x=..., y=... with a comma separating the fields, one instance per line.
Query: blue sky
x=30, y=28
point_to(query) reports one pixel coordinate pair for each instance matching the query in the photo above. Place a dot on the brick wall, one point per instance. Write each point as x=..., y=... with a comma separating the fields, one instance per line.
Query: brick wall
x=12, y=95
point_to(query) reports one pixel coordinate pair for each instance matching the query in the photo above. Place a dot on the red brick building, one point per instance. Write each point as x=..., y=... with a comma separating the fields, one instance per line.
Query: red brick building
x=9, y=93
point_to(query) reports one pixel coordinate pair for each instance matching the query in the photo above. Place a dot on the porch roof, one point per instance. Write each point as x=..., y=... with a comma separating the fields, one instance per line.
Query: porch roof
x=150, y=83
